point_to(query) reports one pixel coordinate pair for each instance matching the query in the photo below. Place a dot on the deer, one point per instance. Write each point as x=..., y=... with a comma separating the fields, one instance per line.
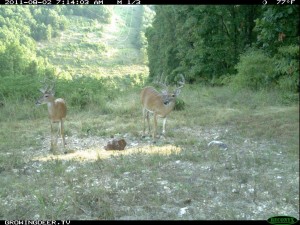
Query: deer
x=57, y=111
x=158, y=103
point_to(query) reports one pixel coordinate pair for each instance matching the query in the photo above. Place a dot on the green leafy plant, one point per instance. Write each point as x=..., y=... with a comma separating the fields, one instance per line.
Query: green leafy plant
x=255, y=71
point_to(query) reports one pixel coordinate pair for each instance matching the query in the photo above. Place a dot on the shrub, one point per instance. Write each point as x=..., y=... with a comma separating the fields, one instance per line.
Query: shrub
x=255, y=71
x=80, y=91
x=179, y=105
x=287, y=68
x=80, y=98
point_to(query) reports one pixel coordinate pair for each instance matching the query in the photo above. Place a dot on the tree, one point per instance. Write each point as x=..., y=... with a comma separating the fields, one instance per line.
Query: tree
x=277, y=26
x=202, y=42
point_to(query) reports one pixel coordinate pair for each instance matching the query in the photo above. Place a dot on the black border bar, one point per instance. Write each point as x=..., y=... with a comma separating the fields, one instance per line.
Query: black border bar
x=149, y=2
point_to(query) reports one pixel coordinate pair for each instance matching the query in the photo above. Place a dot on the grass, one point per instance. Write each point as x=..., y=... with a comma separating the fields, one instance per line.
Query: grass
x=256, y=178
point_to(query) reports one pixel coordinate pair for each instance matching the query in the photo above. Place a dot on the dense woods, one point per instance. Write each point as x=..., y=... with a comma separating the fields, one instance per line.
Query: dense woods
x=244, y=45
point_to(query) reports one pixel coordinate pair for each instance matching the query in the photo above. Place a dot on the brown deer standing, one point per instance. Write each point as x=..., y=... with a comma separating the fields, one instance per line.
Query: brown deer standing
x=57, y=112
x=160, y=104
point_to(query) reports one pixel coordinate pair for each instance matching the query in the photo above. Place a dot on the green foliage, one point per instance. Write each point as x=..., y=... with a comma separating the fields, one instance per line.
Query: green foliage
x=277, y=26
x=202, y=42
x=12, y=59
x=177, y=44
x=146, y=14
x=255, y=70
x=80, y=98
x=19, y=73
x=39, y=23
x=18, y=87
x=81, y=91
x=85, y=92
x=287, y=68
x=99, y=47
x=19, y=66
x=41, y=32
x=48, y=22
x=179, y=105
x=101, y=13
x=205, y=42
x=24, y=86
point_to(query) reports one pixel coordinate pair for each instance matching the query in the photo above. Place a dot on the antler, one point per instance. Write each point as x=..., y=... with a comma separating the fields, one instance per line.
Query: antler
x=182, y=82
x=162, y=84
x=47, y=87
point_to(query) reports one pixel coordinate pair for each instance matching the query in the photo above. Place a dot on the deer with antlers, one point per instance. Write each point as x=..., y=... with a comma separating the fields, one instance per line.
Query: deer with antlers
x=57, y=111
x=160, y=104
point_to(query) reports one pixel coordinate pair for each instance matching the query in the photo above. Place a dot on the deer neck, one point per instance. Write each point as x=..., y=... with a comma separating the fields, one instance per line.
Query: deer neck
x=51, y=107
x=167, y=108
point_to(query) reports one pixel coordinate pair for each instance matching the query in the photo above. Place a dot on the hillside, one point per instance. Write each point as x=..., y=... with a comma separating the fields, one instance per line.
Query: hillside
x=91, y=48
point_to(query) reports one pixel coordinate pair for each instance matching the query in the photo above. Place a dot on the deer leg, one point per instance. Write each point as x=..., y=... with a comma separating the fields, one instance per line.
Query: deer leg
x=62, y=132
x=56, y=135
x=144, y=117
x=164, y=126
x=148, y=121
x=52, y=145
x=155, y=125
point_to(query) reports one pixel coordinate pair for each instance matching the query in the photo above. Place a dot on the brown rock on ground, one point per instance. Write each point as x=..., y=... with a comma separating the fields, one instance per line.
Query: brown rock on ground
x=116, y=144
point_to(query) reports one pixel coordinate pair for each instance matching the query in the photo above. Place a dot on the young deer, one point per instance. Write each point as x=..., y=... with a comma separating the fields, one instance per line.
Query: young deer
x=160, y=104
x=57, y=112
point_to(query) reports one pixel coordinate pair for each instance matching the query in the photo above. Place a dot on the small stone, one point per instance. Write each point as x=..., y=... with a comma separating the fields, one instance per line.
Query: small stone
x=116, y=144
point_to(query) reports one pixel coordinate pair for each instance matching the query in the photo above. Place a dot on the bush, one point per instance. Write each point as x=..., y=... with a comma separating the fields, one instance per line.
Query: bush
x=102, y=14
x=80, y=91
x=19, y=87
x=287, y=68
x=255, y=71
x=80, y=98
x=179, y=105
